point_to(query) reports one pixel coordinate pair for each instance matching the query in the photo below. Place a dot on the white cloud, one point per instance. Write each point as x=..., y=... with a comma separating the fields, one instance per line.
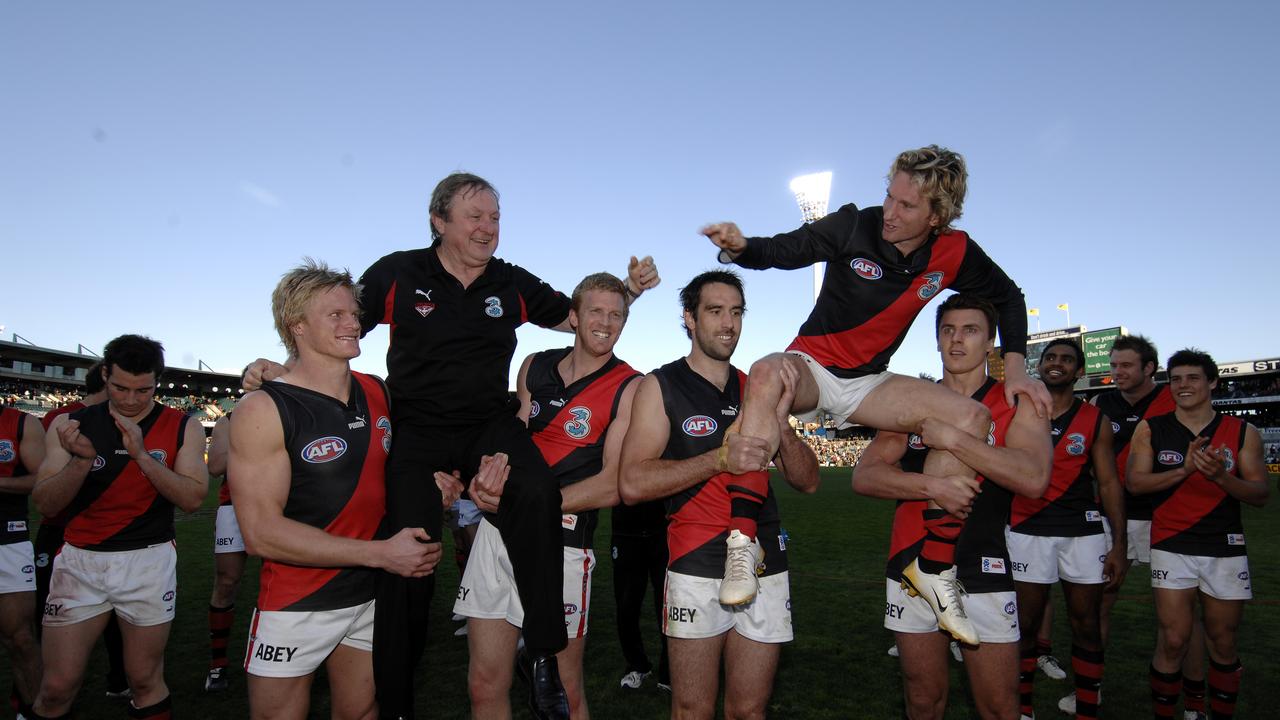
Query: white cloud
x=260, y=194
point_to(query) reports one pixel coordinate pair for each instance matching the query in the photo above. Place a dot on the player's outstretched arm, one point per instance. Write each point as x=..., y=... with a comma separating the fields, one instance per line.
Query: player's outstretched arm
x=879, y=474
x=68, y=457
x=601, y=490
x=1112, y=496
x=260, y=371
x=31, y=453
x=827, y=238
x=1138, y=472
x=188, y=482
x=795, y=459
x=1250, y=485
x=258, y=452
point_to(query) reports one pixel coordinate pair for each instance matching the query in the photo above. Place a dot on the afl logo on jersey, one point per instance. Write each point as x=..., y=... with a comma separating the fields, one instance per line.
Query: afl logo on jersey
x=1075, y=444
x=1169, y=457
x=866, y=269
x=324, y=449
x=7, y=453
x=493, y=306
x=534, y=408
x=159, y=455
x=99, y=462
x=932, y=284
x=384, y=425
x=698, y=426
x=915, y=442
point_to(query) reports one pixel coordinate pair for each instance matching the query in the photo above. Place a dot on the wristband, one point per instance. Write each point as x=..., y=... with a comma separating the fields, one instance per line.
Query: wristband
x=722, y=458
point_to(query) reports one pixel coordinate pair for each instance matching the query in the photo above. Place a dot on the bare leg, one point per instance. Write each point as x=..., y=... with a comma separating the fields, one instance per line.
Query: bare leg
x=749, y=669
x=351, y=683
x=144, y=661
x=65, y=649
x=18, y=635
x=492, y=647
x=570, y=661
x=695, y=676
x=993, y=677
x=279, y=698
x=925, y=676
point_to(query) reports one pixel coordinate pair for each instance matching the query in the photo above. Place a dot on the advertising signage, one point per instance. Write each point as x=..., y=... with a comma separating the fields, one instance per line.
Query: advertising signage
x=1097, y=350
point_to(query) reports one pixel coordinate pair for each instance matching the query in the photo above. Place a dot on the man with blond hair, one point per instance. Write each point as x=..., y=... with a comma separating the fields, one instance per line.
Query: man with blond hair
x=884, y=264
x=315, y=442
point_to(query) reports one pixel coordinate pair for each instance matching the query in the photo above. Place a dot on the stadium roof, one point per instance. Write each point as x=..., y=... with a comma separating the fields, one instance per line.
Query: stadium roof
x=197, y=381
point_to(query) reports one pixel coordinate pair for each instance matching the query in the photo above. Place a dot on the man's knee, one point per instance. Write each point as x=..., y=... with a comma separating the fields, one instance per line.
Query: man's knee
x=487, y=682
x=974, y=418
x=925, y=706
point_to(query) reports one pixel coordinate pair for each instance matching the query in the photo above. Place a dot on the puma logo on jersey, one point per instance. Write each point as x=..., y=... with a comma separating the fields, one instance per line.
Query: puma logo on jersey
x=994, y=566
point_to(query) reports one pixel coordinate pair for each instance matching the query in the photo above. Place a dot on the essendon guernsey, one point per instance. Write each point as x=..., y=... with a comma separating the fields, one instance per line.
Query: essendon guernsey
x=117, y=507
x=982, y=559
x=699, y=413
x=224, y=490
x=1069, y=507
x=1124, y=420
x=569, y=425
x=1196, y=516
x=338, y=453
x=871, y=293
x=13, y=506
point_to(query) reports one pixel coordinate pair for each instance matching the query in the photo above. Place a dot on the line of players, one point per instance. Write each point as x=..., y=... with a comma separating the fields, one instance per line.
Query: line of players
x=710, y=475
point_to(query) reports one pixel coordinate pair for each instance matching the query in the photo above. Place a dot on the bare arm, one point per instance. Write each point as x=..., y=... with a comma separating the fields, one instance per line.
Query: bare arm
x=219, y=445
x=188, y=482
x=1138, y=473
x=879, y=474
x=1017, y=382
x=1250, y=485
x=522, y=390
x=68, y=456
x=645, y=476
x=601, y=490
x=1112, y=496
x=258, y=450
x=642, y=274
x=1022, y=465
x=31, y=453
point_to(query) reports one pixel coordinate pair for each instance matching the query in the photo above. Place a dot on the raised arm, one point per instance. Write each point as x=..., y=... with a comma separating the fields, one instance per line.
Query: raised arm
x=188, y=482
x=68, y=457
x=827, y=238
x=31, y=454
x=258, y=450
x=601, y=490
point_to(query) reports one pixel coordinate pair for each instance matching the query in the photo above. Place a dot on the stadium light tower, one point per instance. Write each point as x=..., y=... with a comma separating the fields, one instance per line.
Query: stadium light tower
x=812, y=193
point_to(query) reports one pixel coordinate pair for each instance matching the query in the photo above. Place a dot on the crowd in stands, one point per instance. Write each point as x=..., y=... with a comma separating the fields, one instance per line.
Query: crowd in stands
x=1266, y=386
x=40, y=398
x=835, y=452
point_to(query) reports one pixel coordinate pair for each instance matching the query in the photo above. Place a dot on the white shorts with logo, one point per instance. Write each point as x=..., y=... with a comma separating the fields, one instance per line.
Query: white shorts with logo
x=838, y=396
x=226, y=532
x=488, y=586
x=1139, y=534
x=1225, y=578
x=283, y=643
x=140, y=585
x=17, y=568
x=691, y=609
x=1045, y=559
x=463, y=513
x=994, y=614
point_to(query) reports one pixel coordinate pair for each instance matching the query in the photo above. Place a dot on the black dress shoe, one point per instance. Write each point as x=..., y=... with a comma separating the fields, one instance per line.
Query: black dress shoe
x=547, y=698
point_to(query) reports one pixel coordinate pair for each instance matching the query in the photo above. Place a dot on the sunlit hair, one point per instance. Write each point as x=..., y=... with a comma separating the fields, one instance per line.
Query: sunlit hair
x=134, y=354
x=1194, y=357
x=604, y=282
x=296, y=289
x=450, y=188
x=965, y=301
x=1075, y=348
x=1143, y=346
x=93, y=382
x=691, y=294
x=941, y=177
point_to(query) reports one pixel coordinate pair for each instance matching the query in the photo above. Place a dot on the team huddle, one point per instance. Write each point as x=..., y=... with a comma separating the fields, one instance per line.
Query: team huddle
x=339, y=481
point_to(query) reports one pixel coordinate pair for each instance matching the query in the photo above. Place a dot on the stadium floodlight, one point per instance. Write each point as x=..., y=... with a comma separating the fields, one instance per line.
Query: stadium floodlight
x=812, y=193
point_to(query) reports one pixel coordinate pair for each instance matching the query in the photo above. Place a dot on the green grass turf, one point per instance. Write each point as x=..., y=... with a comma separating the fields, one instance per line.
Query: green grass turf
x=836, y=668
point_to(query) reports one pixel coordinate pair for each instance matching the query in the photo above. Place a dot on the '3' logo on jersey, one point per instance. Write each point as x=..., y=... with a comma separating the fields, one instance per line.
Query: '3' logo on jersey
x=493, y=306
x=578, y=427
x=932, y=284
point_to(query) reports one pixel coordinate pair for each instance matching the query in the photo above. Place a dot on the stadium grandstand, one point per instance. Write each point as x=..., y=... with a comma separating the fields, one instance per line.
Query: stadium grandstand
x=1248, y=389
x=36, y=380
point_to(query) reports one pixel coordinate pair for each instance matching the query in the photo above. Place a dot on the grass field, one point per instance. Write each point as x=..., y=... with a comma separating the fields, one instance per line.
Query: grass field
x=836, y=668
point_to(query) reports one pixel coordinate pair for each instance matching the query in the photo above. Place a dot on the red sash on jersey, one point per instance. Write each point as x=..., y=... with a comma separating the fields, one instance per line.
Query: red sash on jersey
x=1196, y=495
x=1071, y=454
x=857, y=346
x=1161, y=404
x=556, y=441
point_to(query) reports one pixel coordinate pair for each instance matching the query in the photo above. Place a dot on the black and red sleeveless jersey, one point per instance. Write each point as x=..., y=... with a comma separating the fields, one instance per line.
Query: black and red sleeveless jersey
x=872, y=293
x=338, y=454
x=1124, y=420
x=224, y=490
x=1069, y=507
x=117, y=507
x=982, y=558
x=569, y=426
x=699, y=413
x=70, y=407
x=1196, y=516
x=13, y=507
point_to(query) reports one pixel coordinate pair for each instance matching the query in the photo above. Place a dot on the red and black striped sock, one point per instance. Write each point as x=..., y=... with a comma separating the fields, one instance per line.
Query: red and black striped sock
x=1224, y=686
x=162, y=710
x=1026, y=681
x=1164, y=692
x=220, y=621
x=1193, y=694
x=1087, y=665
x=747, y=493
x=941, y=530
x=1044, y=647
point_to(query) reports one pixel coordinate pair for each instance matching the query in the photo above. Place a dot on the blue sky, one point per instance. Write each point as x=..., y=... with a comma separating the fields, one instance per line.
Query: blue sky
x=161, y=164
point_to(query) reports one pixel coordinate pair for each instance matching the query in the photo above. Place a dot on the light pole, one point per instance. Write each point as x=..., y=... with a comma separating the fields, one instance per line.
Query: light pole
x=812, y=193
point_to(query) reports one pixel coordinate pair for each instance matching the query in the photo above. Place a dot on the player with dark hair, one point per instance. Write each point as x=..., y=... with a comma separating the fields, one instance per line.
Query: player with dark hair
x=118, y=469
x=1199, y=465
x=884, y=265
